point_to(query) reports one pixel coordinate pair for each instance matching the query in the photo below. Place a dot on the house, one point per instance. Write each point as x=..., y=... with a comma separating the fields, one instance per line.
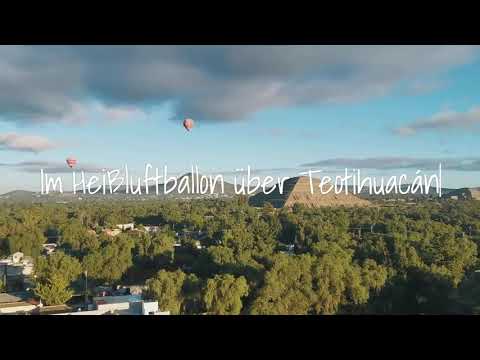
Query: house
x=112, y=233
x=195, y=235
x=49, y=249
x=19, y=307
x=125, y=227
x=16, y=265
x=151, y=229
x=120, y=305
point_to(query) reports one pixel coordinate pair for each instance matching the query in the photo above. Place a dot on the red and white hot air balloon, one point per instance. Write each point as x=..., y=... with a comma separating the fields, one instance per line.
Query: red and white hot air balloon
x=71, y=162
x=188, y=124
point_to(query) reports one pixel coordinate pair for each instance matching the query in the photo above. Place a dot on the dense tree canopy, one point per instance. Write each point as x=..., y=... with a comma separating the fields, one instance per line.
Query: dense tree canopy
x=225, y=257
x=111, y=260
x=223, y=295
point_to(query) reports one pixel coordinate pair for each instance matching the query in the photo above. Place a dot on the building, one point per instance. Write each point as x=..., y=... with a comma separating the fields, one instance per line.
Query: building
x=49, y=249
x=125, y=227
x=10, y=304
x=102, y=305
x=16, y=265
x=120, y=305
x=151, y=229
x=114, y=232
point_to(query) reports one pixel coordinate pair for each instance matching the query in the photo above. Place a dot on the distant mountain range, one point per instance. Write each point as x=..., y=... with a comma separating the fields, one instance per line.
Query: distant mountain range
x=190, y=181
x=19, y=195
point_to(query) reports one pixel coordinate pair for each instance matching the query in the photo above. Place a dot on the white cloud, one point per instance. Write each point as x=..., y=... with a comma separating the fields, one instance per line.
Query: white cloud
x=212, y=83
x=390, y=163
x=445, y=120
x=28, y=143
x=121, y=113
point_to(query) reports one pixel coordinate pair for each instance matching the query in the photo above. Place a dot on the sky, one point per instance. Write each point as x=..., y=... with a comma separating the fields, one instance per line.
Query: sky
x=387, y=110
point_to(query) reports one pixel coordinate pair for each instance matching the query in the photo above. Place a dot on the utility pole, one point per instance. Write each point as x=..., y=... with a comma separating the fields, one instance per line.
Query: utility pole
x=5, y=277
x=86, y=287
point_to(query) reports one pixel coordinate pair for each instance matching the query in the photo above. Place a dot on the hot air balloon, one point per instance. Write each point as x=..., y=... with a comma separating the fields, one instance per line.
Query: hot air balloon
x=71, y=162
x=188, y=124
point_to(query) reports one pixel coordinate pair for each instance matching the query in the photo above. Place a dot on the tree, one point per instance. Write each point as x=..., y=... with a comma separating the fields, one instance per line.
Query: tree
x=223, y=294
x=221, y=255
x=287, y=288
x=191, y=291
x=329, y=285
x=54, y=276
x=57, y=264
x=415, y=259
x=54, y=291
x=111, y=261
x=374, y=276
x=469, y=293
x=339, y=281
x=3, y=287
x=166, y=287
x=76, y=237
x=27, y=241
x=158, y=248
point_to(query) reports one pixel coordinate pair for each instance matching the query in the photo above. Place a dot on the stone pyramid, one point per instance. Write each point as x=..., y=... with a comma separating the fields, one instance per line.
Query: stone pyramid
x=297, y=191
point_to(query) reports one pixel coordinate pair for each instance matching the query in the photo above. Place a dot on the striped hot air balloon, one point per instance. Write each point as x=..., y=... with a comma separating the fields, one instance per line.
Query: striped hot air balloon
x=188, y=124
x=71, y=162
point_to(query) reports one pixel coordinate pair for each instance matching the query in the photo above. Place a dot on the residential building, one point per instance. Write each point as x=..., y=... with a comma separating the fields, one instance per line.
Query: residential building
x=151, y=229
x=16, y=265
x=120, y=305
x=49, y=249
x=125, y=227
x=112, y=233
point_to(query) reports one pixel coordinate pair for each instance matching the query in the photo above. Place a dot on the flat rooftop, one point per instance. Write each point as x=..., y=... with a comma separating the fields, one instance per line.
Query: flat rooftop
x=8, y=298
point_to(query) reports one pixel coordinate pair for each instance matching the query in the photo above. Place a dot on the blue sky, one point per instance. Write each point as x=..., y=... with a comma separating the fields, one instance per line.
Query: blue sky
x=423, y=114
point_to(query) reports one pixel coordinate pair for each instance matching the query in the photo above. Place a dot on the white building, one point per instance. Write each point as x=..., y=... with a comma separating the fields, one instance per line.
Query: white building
x=121, y=305
x=21, y=307
x=17, y=265
x=49, y=248
x=114, y=232
x=10, y=304
x=151, y=229
x=125, y=227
